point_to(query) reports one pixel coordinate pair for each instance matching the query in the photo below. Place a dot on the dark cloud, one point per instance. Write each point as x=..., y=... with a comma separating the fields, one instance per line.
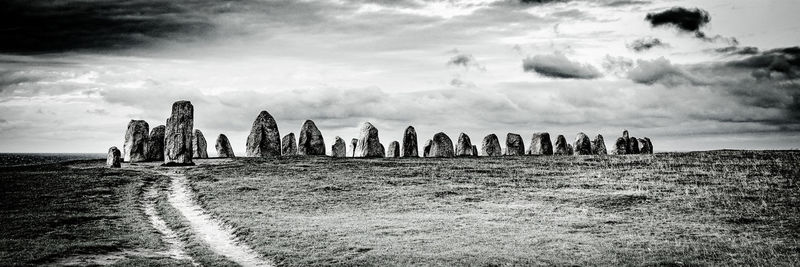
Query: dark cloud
x=45, y=26
x=659, y=71
x=737, y=50
x=690, y=20
x=465, y=60
x=775, y=63
x=559, y=66
x=646, y=43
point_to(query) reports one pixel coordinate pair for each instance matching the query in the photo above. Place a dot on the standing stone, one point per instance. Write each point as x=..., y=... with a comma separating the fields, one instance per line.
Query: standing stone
x=135, y=149
x=474, y=151
x=627, y=141
x=514, y=145
x=114, y=159
x=199, y=145
x=441, y=146
x=382, y=151
x=620, y=147
x=288, y=145
x=633, y=145
x=339, y=149
x=410, y=143
x=463, y=146
x=541, y=144
x=649, y=145
x=178, y=134
x=394, y=150
x=643, y=147
x=353, y=144
x=491, y=146
x=264, y=139
x=583, y=146
x=599, y=145
x=155, y=144
x=561, y=146
x=310, y=140
x=368, y=146
x=223, y=146
x=426, y=150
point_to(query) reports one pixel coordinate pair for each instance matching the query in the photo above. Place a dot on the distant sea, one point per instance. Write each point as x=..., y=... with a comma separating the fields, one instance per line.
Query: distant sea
x=21, y=159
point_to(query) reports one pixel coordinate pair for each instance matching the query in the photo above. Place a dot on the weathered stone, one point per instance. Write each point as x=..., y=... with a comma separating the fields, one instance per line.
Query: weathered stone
x=310, y=140
x=599, y=145
x=649, y=145
x=491, y=146
x=410, y=142
x=155, y=144
x=288, y=145
x=561, y=146
x=223, y=146
x=369, y=146
x=514, y=145
x=633, y=145
x=339, y=149
x=441, y=146
x=627, y=138
x=426, y=150
x=353, y=144
x=474, y=151
x=114, y=159
x=264, y=139
x=620, y=147
x=583, y=146
x=382, y=151
x=178, y=134
x=541, y=144
x=199, y=145
x=135, y=149
x=570, y=150
x=463, y=146
x=394, y=150
x=644, y=148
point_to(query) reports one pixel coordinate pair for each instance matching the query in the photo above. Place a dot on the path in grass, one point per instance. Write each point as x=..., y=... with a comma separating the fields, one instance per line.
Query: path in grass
x=219, y=237
x=175, y=248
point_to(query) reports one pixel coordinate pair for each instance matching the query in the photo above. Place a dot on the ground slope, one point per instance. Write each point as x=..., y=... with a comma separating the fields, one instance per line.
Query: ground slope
x=708, y=208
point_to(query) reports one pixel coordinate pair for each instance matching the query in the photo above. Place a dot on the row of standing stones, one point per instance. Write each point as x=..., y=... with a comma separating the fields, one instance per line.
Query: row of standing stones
x=177, y=142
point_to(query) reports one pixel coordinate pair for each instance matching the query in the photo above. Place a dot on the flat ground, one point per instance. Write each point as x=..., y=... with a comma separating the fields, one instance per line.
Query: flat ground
x=704, y=208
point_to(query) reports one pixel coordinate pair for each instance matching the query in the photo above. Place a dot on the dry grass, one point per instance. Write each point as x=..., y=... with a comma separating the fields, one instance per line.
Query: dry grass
x=704, y=208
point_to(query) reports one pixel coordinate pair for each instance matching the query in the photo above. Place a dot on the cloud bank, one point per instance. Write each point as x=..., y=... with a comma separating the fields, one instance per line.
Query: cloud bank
x=559, y=66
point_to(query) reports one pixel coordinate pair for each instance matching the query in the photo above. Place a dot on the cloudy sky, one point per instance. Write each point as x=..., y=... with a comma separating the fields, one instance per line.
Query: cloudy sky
x=691, y=75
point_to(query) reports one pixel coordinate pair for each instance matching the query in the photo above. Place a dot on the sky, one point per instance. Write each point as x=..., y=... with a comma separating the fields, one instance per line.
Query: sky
x=690, y=75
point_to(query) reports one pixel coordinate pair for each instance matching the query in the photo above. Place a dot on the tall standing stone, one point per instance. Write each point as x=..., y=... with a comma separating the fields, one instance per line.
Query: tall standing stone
x=627, y=138
x=649, y=145
x=369, y=146
x=463, y=146
x=353, y=144
x=199, y=145
x=155, y=144
x=426, y=150
x=394, y=150
x=561, y=146
x=633, y=145
x=339, y=149
x=135, y=149
x=264, y=139
x=514, y=145
x=620, y=147
x=599, y=145
x=178, y=134
x=114, y=159
x=583, y=146
x=474, y=151
x=410, y=142
x=491, y=146
x=441, y=146
x=541, y=144
x=288, y=145
x=223, y=146
x=310, y=140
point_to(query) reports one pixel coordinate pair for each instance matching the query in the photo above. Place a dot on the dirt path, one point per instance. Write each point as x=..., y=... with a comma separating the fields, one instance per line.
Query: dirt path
x=175, y=248
x=219, y=237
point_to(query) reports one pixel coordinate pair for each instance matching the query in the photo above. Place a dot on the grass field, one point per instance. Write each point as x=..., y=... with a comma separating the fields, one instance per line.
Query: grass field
x=703, y=208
